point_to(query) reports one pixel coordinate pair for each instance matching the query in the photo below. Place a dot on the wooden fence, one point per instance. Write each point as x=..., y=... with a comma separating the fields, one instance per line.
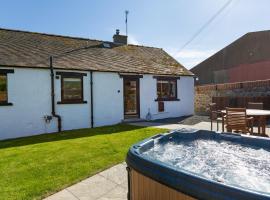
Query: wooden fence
x=223, y=102
x=232, y=94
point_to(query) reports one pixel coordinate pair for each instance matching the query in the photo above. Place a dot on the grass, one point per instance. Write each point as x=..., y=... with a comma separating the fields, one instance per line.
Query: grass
x=35, y=167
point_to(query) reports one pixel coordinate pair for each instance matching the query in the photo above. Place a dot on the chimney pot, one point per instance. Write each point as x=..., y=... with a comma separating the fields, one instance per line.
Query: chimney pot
x=117, y=31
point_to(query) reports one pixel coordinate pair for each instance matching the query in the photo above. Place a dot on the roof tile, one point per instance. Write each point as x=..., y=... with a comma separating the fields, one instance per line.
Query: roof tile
x=28, y=49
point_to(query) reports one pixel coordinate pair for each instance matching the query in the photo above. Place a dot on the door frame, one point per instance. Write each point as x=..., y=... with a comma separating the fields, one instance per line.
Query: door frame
x=137, y=79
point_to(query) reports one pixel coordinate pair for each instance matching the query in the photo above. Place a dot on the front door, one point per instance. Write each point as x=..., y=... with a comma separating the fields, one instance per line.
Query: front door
x=131, y=98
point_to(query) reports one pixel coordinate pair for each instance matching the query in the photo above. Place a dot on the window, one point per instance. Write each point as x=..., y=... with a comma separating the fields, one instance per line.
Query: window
x=71, y=87
x=167, y=89
x=3, y=88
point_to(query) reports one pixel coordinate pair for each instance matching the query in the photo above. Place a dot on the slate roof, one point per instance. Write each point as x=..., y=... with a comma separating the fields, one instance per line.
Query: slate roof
x=29, y=49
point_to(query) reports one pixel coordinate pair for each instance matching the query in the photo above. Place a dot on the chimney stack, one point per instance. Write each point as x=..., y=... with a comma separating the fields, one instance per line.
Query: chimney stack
x=119, y=39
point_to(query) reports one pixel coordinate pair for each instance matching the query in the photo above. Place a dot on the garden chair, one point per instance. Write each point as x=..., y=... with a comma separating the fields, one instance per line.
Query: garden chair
x=236, y=119
x=215, y=115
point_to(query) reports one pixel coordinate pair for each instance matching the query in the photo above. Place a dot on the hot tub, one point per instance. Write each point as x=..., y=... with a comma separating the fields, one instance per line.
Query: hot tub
x=197, y=164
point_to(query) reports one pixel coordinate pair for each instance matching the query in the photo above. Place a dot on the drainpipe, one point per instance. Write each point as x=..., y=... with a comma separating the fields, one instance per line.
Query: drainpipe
x=91, y=97
x=59, y=120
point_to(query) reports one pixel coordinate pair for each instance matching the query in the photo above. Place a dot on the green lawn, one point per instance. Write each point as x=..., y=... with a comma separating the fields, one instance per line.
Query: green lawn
x=34, y=167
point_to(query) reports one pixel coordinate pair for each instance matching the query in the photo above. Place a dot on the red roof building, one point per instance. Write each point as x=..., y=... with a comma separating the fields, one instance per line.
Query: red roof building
x=246, y=59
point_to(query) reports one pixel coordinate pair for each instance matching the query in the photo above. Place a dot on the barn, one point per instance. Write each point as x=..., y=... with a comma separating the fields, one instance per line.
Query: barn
x=246, y=59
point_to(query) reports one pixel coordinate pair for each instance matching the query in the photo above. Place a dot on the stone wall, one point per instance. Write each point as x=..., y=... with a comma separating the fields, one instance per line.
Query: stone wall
x=232, y=94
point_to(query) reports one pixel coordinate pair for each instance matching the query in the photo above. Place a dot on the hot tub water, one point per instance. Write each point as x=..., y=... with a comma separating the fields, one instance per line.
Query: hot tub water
x=223, y=161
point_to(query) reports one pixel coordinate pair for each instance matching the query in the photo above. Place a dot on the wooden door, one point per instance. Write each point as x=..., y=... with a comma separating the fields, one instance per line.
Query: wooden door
x=131, y=98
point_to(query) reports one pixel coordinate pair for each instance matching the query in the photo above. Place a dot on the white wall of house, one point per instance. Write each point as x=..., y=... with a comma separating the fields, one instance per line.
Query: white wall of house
x=108, y=101
x=183, y=107
x=74, y=116
x=30, y=92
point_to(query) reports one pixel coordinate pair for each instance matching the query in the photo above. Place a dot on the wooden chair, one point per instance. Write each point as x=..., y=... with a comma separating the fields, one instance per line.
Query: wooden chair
x=255, y=105
x=236, y=119
x=215, y=115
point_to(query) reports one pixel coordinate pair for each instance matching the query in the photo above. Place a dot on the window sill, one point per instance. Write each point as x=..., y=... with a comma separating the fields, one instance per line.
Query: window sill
x=167, y=99
x=71, y=102
x=6, y=104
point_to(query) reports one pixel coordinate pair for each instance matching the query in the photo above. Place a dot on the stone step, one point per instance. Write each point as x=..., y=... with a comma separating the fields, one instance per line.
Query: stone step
x=130, y=120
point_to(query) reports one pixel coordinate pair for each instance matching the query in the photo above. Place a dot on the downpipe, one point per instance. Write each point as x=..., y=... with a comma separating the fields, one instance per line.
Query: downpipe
x=91, y=99
x=59, y=120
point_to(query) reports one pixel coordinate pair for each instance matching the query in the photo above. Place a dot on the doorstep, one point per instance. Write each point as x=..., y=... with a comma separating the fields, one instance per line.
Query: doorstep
x=131, y=120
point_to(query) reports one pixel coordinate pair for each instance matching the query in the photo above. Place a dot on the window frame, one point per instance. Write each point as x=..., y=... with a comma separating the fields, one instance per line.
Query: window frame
x=5, y=72
x=71, y=75
x=167, y=78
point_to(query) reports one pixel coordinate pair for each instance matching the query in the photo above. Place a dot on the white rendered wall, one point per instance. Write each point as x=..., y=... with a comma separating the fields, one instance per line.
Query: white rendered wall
x=29, y=91
x=74, y=116
x=108, y=98
x=183, y=107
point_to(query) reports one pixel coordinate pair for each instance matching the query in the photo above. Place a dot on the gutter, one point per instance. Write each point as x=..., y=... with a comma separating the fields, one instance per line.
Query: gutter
x=59, y=120
x=76, y=69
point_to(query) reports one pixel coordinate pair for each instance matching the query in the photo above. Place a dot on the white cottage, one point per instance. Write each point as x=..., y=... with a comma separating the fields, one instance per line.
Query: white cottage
x=50, y=83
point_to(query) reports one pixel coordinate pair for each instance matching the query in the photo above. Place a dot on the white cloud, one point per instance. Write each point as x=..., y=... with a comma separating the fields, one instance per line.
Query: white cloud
x=194, y=53
x=190, y=57
x=132, y=40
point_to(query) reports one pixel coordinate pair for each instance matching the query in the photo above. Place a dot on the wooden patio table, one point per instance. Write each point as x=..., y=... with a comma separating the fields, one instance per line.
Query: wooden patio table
x=258, y=115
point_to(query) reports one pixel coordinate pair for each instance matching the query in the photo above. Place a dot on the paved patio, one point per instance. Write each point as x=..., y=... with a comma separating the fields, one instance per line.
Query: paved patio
x=112, y=183
x=196, y=122
x=109, y=184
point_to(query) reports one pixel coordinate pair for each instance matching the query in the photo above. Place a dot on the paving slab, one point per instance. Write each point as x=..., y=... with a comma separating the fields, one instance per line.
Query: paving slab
x=92, y=188
x=200, y=125
x=62, y=195
x=118, y=193
x=109, y=184
x=116, y=174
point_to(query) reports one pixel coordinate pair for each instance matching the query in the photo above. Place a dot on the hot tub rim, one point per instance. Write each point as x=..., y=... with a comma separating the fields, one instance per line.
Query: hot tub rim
x=134, y=159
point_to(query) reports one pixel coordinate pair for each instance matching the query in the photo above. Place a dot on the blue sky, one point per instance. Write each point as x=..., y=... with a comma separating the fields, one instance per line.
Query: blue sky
x=165, y=24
